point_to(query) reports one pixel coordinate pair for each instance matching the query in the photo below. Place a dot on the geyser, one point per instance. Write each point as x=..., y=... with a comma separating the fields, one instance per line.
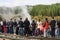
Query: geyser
x=9, y=13
x=25, y=13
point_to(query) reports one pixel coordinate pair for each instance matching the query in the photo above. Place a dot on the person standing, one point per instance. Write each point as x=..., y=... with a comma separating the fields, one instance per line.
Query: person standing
x=17, y=29
x=58, y=24
x=21, y=27
x=14, y=26
x=33, y=24
x=1, y=24
x=26, y=26
x=0, y=27
x=4, y=25
x=39, y=27
x=52, y=24
x=46, y=26
x=7, y=25
x=11, y=30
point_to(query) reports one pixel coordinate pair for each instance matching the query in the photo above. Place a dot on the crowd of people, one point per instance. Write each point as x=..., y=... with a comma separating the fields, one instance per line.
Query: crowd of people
x=34, y=28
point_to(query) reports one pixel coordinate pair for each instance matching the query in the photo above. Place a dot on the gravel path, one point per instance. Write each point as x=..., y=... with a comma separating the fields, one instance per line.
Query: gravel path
x=5, y=36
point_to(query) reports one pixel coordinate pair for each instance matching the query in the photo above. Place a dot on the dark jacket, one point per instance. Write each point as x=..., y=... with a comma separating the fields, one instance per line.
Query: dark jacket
x=58, y=23
x=15, y=24
x=8, y=24
x=33, y=24
x=21, y=24
x=26, y=23
x=4, y=22
x=11, y=23
x=52, y=23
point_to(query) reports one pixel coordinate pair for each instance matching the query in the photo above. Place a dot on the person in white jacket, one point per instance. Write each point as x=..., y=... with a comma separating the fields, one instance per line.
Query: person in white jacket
x=1, y=23
x=39, y=26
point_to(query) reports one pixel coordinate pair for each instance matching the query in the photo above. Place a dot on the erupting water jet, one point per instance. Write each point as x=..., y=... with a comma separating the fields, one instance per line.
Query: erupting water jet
x=9, y=13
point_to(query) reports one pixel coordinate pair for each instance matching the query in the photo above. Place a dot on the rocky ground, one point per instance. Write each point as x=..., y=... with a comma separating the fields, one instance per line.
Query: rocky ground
x=5, y=36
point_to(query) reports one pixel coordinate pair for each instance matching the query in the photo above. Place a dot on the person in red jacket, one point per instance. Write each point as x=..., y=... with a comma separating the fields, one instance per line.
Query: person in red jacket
x=4, y=25
x=46, y=26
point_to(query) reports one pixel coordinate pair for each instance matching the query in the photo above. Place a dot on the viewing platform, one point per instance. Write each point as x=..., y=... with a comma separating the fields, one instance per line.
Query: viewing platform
x=4, y=36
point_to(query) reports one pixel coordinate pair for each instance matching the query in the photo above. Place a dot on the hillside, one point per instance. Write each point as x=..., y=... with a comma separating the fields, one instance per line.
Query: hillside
x=46, y=10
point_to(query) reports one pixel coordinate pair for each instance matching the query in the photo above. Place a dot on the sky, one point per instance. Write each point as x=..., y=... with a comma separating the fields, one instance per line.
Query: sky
x=13, y=3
